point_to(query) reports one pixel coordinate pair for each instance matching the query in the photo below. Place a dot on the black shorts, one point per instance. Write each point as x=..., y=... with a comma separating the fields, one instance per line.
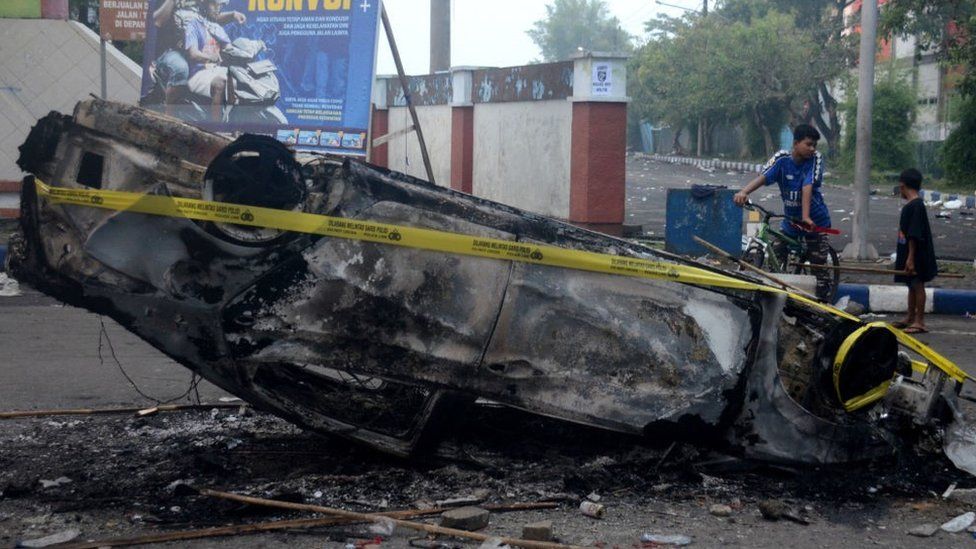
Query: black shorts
x=912, y=280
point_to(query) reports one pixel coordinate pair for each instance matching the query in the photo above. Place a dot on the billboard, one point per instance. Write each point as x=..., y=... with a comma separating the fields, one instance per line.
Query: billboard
x=122, y=19
x=298, y=70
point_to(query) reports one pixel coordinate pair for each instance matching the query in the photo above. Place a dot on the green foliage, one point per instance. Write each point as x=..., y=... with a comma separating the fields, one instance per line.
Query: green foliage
x=948, y=26
x=573, y=24
x=757, y=70
x=892, y=144
x=958, y=155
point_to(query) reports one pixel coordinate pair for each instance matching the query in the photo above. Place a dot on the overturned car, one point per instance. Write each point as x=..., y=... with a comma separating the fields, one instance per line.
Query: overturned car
x=380, y=342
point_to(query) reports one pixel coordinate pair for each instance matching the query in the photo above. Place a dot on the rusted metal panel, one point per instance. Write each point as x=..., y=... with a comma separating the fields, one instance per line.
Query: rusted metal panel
x=528, y=83
x=426, y=90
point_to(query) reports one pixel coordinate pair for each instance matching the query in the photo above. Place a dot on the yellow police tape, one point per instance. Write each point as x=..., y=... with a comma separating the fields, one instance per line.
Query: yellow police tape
x=439, y=241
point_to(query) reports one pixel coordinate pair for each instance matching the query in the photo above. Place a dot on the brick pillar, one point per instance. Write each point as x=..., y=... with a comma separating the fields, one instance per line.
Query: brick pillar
x=462, y=149
x=381, y=126
x=599, y=143
x=598, y=163
x=380, y=122
x=462, y=131
x=54, y=9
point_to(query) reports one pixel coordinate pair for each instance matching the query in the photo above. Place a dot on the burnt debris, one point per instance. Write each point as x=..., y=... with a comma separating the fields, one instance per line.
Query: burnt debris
x=388, y=345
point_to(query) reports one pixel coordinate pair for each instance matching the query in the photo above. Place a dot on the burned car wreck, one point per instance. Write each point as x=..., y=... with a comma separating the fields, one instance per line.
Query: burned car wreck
x=381, y=343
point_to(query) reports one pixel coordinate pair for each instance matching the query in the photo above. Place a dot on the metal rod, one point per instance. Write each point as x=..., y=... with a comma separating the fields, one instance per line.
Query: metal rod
x=406, y=92
x=104, y=69
x=715, y=249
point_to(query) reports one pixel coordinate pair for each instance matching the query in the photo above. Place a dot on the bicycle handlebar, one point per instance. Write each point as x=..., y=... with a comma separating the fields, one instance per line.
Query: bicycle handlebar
x=750, y=205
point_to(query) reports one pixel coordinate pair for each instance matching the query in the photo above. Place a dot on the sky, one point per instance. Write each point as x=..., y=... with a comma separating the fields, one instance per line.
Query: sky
x=491, y=33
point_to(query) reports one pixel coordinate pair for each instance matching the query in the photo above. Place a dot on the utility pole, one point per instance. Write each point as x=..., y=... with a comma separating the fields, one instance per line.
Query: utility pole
x=701, y=121
x=440, y=35
x=860, y=248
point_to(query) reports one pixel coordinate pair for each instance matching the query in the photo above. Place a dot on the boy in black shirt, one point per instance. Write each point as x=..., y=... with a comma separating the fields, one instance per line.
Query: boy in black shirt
x=915, y=255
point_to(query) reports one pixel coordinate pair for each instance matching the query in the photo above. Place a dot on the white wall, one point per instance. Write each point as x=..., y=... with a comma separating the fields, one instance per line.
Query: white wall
x=50, y=65
x=404, y=151
x=522, y=154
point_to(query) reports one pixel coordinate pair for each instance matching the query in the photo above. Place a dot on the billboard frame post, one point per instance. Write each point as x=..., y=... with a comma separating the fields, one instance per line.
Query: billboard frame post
x=406, y=92
x=104, y=69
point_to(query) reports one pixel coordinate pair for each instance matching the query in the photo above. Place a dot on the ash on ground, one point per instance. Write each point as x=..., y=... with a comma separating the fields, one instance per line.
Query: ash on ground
x=112, y=475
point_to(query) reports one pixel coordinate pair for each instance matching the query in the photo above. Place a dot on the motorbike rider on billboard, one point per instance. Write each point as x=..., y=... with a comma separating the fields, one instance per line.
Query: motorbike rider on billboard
x=171, y=18
x=203, y=41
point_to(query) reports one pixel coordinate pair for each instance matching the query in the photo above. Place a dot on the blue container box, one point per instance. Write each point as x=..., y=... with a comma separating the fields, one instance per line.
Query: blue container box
x=707, y=213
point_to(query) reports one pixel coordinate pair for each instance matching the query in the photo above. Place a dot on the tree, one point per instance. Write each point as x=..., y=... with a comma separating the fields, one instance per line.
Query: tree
x=573, y=24
x=892, y=146
x=753, y=71
x=823, y=22
x=958, y=154
x=946, y=26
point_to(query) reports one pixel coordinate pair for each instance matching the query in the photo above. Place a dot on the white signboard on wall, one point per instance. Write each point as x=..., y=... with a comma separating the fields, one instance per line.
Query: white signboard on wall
x=602, y=79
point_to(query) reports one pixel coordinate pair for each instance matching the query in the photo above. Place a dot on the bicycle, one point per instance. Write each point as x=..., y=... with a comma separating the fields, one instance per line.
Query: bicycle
x=760, y=252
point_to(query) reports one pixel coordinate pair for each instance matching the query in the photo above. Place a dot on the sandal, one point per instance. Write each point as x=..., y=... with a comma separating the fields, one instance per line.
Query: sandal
x=900, y=324
x=915, y=330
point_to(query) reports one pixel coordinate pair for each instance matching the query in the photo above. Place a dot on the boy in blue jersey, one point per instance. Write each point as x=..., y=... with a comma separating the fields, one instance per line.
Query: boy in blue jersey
x=799, y=175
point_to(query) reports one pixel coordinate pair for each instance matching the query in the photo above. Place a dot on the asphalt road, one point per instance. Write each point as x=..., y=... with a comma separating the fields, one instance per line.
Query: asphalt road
x=49, y=358
x=649, y=180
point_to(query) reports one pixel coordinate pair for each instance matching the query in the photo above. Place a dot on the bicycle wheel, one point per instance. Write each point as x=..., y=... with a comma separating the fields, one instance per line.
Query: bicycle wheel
x=754, y=255
x=831, y=281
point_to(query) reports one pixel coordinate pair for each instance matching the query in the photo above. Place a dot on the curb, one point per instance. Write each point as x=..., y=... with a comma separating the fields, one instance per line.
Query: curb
x=935, y=196
x=747, y=167
x=886, y=298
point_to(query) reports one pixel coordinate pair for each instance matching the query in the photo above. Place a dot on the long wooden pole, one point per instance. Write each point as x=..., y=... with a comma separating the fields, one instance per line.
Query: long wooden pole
x=418, y=526
x=875, y=271
x=257, y=528
x=406, y=92
x=715, y=249
x=104, y=411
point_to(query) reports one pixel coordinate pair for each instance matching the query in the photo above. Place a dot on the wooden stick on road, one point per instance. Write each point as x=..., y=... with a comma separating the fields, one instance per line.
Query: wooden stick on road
x=869, y=270
x=16, y=414
x=715, y=249
x=419, y=526
x=260, y=527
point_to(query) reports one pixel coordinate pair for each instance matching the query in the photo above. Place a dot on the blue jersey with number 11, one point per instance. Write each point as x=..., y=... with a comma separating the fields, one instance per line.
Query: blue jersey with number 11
x=791, y=178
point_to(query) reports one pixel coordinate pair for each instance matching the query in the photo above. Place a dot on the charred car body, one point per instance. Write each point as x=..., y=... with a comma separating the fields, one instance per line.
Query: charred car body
x=379, y=343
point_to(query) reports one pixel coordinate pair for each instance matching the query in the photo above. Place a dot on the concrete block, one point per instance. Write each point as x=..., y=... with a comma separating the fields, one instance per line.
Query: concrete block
x=538, y=531
x=807, y=283
x=465, y=518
